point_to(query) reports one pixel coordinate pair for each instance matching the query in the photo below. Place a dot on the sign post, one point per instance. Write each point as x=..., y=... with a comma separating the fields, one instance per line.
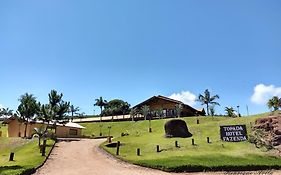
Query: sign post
x=233, y=133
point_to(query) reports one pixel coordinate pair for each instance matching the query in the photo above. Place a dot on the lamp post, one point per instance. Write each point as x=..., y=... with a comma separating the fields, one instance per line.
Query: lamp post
x=238, y=111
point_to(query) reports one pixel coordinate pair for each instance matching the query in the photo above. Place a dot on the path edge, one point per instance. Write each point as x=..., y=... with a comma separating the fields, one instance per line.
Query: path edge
x=33, y=170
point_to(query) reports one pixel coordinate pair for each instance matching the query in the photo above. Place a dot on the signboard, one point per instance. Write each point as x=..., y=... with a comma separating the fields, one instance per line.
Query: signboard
x=233, y=133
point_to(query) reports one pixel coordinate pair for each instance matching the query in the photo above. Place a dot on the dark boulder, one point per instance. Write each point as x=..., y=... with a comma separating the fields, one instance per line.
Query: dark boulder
x=176, y=128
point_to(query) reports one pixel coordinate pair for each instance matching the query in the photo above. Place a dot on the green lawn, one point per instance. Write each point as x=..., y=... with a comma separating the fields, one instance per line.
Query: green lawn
x=217, y=155
x=27, y=155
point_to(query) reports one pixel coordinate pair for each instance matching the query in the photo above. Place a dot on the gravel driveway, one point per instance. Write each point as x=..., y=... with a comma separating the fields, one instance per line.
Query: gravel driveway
x=85, y=158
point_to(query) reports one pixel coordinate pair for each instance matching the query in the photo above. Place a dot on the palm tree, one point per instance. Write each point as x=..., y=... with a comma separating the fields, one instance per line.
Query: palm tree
x=55, y=110
x=6, y=112
x=178, y=108
x=41, y=132
x=28, y=108
x=207, y=99
x=101, y=103
x=212, y=110
x=133, y=113
x=57, y=107
x=145, y=111
x=274, y=103
x=54, y=98
x=63, y=108
x=159, y=113
x=230, y=111
x=73, y=110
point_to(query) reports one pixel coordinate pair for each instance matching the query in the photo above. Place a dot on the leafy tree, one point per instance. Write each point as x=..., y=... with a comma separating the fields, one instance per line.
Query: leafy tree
x=133, y=113
x=207, y=99
x=116, y=107
x=274, y=102
x=101, y=103
x=125, y=108
x=28, y=108
x=178, y=108
x=230, y=111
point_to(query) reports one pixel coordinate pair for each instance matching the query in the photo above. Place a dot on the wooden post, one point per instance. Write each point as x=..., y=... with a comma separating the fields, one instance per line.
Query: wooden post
x=157, y=148
x=117, y=148
x=176, y=144
x=109, y=139
x=192, y=142
x=44, y=148
x=138, y=151
x=208, y=139
x=11, y=156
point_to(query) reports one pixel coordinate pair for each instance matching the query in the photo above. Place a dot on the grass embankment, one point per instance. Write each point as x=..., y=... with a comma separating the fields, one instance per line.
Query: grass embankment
x=216, y=155
x=27, y=154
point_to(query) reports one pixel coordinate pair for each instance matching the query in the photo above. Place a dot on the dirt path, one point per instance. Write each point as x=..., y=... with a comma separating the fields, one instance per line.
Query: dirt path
x=85, y=158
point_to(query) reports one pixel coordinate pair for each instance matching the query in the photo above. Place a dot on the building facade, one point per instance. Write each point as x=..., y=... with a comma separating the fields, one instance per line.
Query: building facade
x=168, y=106
x=17, y=129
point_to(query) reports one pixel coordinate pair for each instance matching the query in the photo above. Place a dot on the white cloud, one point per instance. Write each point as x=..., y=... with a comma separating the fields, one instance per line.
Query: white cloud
x=185, y=97
x=262, y=93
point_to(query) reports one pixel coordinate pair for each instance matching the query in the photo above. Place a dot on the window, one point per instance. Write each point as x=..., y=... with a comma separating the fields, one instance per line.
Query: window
x=73, y=132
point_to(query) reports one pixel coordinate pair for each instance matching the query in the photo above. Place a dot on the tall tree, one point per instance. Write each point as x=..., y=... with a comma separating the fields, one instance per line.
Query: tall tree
x=178, y=108
x=274, y=102
x=207, y=99
x=27, y=108
x=55, y=110
x=101, y=103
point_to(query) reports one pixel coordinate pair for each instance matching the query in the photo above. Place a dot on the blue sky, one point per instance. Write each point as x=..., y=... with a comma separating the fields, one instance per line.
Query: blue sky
x=136, y=49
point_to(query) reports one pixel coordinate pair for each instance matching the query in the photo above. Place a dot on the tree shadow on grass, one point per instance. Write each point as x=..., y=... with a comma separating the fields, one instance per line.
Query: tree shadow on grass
x=24, y=170
x=6, y=168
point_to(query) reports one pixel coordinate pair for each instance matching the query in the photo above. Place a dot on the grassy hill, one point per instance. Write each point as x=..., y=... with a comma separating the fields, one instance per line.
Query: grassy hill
x=216, y=155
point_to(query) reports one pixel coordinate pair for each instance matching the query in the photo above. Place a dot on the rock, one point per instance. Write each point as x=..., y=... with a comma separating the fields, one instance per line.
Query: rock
x=277, y=131
x=271, y=128
x=176, y=128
